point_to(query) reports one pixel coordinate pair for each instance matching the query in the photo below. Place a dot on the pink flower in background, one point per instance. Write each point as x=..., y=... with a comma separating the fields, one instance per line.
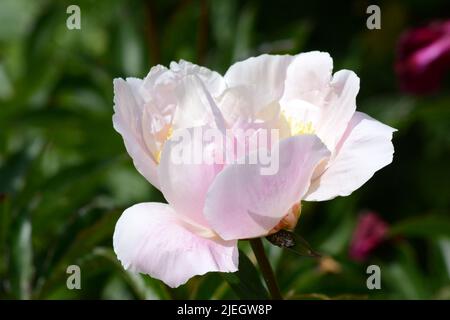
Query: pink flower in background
x=423, y=58
x=325, y=149
x=369, y=233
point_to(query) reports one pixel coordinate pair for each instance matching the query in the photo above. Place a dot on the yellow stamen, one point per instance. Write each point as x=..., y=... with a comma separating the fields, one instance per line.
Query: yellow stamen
x=168, y=136
x=297, y=126
x=169, y=133
x=158, y=156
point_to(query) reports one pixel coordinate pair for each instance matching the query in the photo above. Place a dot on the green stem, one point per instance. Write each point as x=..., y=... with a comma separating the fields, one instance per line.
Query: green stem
x=266, y=269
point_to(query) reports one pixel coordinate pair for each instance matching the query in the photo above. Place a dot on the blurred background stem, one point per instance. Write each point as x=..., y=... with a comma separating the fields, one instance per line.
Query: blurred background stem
x=266, y=269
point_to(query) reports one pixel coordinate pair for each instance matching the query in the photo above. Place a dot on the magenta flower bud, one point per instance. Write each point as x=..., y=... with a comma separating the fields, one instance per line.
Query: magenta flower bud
x=423, y=58
x=369, y=233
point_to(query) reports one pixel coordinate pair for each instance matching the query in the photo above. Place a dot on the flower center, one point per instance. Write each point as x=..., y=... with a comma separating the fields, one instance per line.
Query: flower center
x=298, y=126
x=168, y=136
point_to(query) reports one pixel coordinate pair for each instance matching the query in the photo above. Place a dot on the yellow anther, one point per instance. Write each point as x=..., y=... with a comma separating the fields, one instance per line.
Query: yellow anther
x=168, y=136
x=169, y=133
x=158, y=156
x=297, y=126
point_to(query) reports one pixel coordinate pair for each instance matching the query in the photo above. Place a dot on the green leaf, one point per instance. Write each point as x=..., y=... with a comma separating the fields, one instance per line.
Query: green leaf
x=82, y=235
x=246, y=282
x=21, y=269
x=142, y=286
x=293, y=242
x=131, y=51
x=5, y=218
x=444, y=248
x=13, y=172
x=403, y=275
x=243, y=36
x=432, y=226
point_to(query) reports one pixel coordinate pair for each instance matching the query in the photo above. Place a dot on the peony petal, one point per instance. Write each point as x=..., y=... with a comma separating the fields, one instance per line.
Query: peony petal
x=151, y=239
x=242, y=203
x=185, y=176
x=196, y=106
x=236, y=104
x=184, y=85
x=339, y=107
x=127, y=121
x=364, y=148
x=153, y=79
x=316, y=98
x=214, y=82
x=158, y=89
x=263, y=76
x=307, y=76
x=161, y=82
x=135, y=85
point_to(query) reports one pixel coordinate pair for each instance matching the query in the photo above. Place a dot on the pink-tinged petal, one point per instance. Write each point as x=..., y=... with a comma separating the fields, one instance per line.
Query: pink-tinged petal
x=236, y=104
x=214, y=82
x=127, y=120
x=156, y=129
x=185, y=175
x=171, y=93
x=135, y=85
x=242, y=203
x=150, y=238
x=364, y=148
x=263, y=75
x=313, y=97
x=297, y=116
x=196, y=106
x=159, y=85
x=239, y=104
x=153, y=78
x=158, y=88
x=339, y=109
x=307, y=77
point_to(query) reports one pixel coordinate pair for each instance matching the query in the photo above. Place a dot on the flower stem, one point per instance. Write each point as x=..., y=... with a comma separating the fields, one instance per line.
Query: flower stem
x=266, y=269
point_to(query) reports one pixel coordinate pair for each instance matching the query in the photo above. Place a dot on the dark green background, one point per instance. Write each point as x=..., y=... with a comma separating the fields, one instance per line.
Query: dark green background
x=65, y=176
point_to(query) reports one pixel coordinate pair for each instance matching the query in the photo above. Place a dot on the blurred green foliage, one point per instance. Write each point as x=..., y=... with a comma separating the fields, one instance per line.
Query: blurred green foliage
x=65, y=177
